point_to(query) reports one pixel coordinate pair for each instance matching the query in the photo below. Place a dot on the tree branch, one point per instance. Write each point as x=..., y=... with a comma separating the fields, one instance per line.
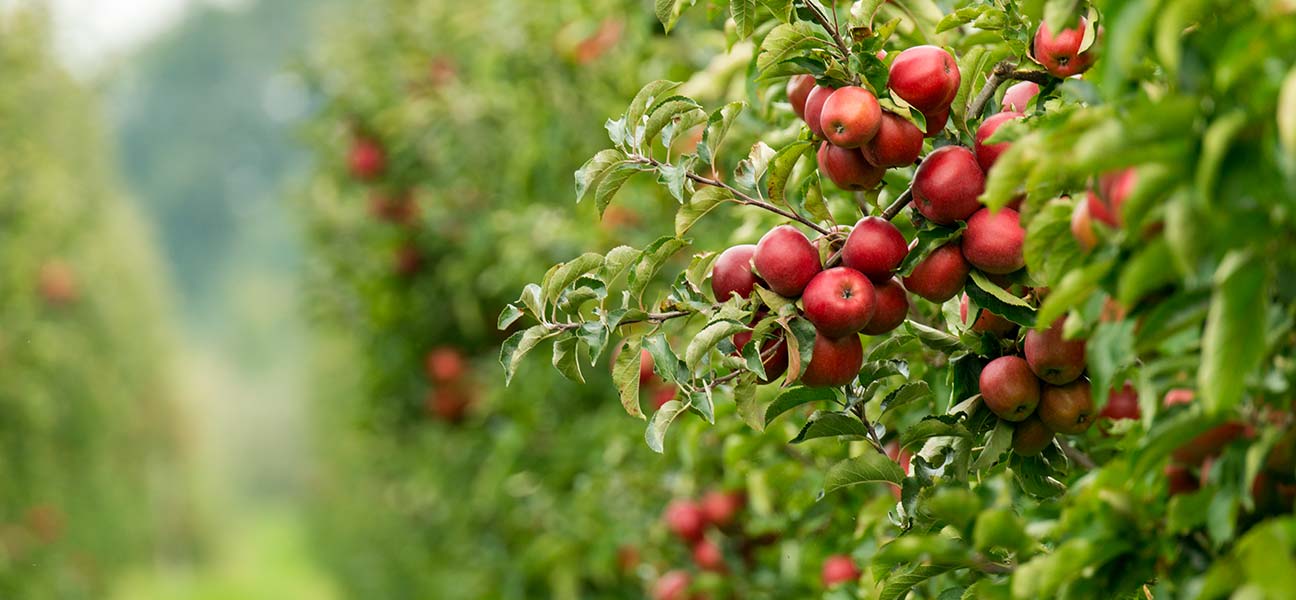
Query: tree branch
x=660, y=317
x=1004, y=71
x=890, y=212
x=832, y=30
x=1076, y=455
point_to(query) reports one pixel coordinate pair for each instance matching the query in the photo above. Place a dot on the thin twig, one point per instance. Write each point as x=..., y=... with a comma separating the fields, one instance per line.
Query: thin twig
x=660, y=317
x=890, y=212
x=1004, y=71
x=831, y=28
x=872, y=434
x=987, y=566
x=740, y=196
x=1079, y=457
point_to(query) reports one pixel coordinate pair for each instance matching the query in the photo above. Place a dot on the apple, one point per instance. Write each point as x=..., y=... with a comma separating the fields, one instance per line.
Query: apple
x=875, y=247
x=786, y=260
x=987, y=154
x=672, y=585
x=1068, y=408
x=925, y=77
x=1018, y=96
x=851, y=117
x=1061, y=54
x=399, y=209
x=367, y=159
x=897, y=143
x=941, y=275
x=708, y=556
x=663, y=394
x=892, y=307
x=814, y=108
x=1178, y=396
x=776, y=363
x=1122, y=404
x=1031, y=436
x=947, y=185
x=1082, y=227
x=685, y=519
x=722, y=507
x=994, y=241
x=1180, y=479
x=835, y=362
x=848, y=169
x=448, y=403
x=645, y=364
x=408, y=260
x=56, y=282
x=839, y=302
x=1055, y=360
x=936, y=122
x=732, y=273
x=986, y=322
x=1009, y=388
x=1113, y=189
x=446, y=364
x=798, y=90
x=838, y=569
x=628, y=558
x=1210, y=442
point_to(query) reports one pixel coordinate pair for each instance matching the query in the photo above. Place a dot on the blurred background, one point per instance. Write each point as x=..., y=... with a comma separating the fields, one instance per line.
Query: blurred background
x=252, y=254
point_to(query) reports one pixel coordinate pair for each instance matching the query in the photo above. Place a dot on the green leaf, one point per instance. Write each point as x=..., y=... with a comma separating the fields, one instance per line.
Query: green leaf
x=784, y=42
x=746, y=400
x=567, y=274
x=780, y=169
x=668, y=12
x=1050, y=249
x=625, y=375
x=594, y=169
x=812, y=192
x=1215, y=144
x=1000, y=441
x=800, y=340
x=898, y=585
x=905, y=394
x=1108, y=351
x=931, y=427
x=702, y=202
x=717, y=129
x=959, y=17
x=700, y=267
x=1074, y=288
x=617, y=261
x=566, y=359
x=611, y=181
x=830, y=424
x=795, y=397
x=744, y=16
x=999, y=301
x=655, y=435
x=508, y=316
x=934, y=338
x=752, y=169
x=518, y=344
x=671, y=109
x=1232, y=345
x=647, y=97
x=595, y=335
x=869, y=467
x=531, y=299
x=650, y=262
x=665, y=362
x=928, y=239
x=706, y=340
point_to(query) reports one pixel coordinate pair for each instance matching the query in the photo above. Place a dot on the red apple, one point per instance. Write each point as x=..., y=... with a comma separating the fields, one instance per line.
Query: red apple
x=839, y=301
x=1121, y=404
x=367, y=159
x=1009, y=388
x=672, y=585
x=57, y=283
x=848, y=169
x=446, y=364
x=947, y=185
x=1031, y=436
x=1082, y=227
x=448, y=403
x=851, y=117
x=776, y=359
x=685, y=519
x=993, y=241
x=875, y=247
x=400, y=209
x=1178, y=396
x=786, y=260
x=892, y=307
x=941, y=275
x=936, y=122
x=721, y=507
x=986, y=322
x=732, y=273
x=798, y=90
x=708, y=557
x=1181, y=480
x=925, y=77
x=838, y=569
x=1210, y=442
x=1061, y=54
x=897, y=143
x=814, y=108
x=664, y=394
x=835, y=362
x=1055, y=360
x=987, y=154
x=1018, y=96
x=1067, y=408
x=1106, y=202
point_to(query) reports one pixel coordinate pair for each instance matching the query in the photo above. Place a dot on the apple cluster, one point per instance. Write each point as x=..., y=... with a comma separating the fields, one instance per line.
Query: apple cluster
x=367, y=163
x=690, y=521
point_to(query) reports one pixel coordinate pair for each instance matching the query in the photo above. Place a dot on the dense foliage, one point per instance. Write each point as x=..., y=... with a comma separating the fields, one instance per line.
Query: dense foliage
x=92, y=454
x=1149, y=201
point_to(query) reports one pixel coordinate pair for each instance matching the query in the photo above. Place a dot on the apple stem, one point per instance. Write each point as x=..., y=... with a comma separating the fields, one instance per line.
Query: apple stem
x=740, y=196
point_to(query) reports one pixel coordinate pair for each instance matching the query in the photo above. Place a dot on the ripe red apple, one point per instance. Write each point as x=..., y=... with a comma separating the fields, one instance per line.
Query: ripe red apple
x=848, y=169
x=445, y=364
x=926, y=77
x=1018, y=96
x=722, y=507
x=1178, y=396
x=936, y=122
x=1009, y=388
x=838, y=569
x=672, y=585
x=786, y=260
x=851, y=117
x=892, y=307
x=448, y=403
x=1082, y=227
x=798, y=90
x=1030, y=437
x=897, y=143
x=1055, y=360
x=1113, y=189
x=875, y=247
x=664, y=394
x=732, y=273
x=839, y=301
x=708, y=556
x=814, y=108
x=835, y=362
x=1060, y=54
x=941, y=275
x=776, y=359
x=993, y=241
x=986, y=322
x=1067, y=409
x=987, y=154
x=1210, y=442
x=1122, y=404
x=1181, y=480
x=685, y=519
x=367, y=159
x=947, y=184
x=57, y=283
